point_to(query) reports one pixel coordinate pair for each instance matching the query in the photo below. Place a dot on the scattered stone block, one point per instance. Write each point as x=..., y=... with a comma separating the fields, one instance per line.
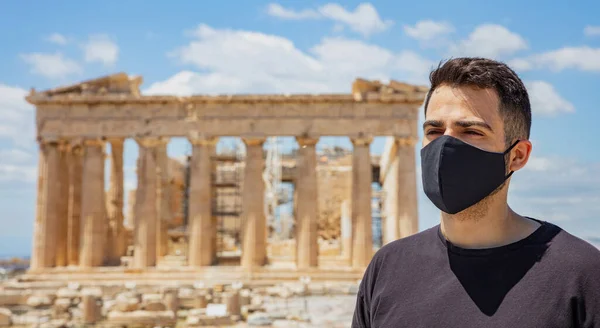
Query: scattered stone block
x=249, y=309
x=38, y=301
x=259, y=319
x=142, y=318
x=5, y=317
x=14, y=297
x=201, y=301
x=30, y=319
x=74, y=286
x=127, y=302
x=95, y=291
x=108, y=306
x=91, y=310
x=56, y=323
x=245, y=297
x=207, y=320
x=63, y=303
x=171, y=299
x=67, y=293
x=232, y=300
x=154, y=306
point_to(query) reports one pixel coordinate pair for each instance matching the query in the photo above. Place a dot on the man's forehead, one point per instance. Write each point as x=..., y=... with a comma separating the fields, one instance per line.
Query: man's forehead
x=461, y=103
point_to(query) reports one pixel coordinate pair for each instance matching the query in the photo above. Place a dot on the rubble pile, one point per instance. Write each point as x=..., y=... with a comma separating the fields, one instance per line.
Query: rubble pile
x=131, y=305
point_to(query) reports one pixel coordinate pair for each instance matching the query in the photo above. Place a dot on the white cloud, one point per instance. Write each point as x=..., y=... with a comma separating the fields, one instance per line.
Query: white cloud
x=15, y=155
x=491, y=41
x=538, y=164
x=101, y=48
x=364, y=19
x=545, y=100
x=51, y=65
x=557, y=189
x=18, y=173
x=18, y=121
x=519, y=64
x=427, y=30
x=591, y=30
x=57, y=38
x=343, y=55
x=582, y=58
x=276, y=10
x=188, y=82
x=417, y=66
x=244, y=61
x=17, y=129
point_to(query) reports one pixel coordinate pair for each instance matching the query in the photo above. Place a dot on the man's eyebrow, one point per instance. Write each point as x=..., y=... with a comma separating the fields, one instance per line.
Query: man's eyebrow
x=467, y=124
x=433, y=123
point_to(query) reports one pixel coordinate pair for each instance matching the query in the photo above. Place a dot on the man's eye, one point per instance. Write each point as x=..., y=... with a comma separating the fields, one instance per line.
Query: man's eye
x=432, y=132
x=475, y=133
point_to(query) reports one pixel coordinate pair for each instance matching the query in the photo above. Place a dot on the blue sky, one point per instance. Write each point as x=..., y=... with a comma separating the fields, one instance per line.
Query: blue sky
x=308, y=46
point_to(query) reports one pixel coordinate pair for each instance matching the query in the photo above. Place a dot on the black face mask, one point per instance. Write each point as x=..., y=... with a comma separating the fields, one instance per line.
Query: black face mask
x=457, y=175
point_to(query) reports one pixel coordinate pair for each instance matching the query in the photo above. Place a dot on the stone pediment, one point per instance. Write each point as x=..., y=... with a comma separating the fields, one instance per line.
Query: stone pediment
x=365, y=89
x=119, y=83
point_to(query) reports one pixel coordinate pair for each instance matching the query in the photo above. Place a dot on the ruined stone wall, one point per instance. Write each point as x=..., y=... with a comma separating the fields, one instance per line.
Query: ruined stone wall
x=335, y=185
x=334, y=179
x=177, y=180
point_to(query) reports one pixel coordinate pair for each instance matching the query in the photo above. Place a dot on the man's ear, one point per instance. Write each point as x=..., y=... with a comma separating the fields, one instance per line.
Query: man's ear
x=519, y=155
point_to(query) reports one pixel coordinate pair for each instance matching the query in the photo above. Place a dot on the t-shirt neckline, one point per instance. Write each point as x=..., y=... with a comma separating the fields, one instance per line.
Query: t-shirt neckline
x=532, y=238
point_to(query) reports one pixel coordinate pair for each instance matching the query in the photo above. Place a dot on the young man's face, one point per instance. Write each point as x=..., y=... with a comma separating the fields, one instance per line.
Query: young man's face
x=469, y=114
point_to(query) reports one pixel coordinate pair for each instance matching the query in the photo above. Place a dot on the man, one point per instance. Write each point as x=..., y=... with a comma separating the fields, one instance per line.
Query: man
x=484, y=265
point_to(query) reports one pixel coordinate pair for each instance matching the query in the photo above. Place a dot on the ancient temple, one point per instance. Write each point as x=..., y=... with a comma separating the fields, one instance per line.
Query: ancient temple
x=80, y=227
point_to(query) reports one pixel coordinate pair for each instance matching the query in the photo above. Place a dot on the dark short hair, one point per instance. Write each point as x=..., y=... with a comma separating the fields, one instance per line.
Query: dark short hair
x=483, y=73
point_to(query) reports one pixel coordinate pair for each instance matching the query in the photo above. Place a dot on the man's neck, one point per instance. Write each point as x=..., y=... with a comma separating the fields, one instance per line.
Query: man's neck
x=497, y=226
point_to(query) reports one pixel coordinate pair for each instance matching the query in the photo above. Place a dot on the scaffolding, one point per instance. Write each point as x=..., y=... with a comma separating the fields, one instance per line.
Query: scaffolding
x=227, y=178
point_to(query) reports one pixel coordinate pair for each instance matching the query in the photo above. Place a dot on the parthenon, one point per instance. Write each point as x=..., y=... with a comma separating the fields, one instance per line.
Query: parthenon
x=79, y=226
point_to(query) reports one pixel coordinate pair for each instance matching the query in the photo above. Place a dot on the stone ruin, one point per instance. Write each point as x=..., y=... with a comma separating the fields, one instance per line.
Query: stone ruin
x=171, y=305
x=91, y=264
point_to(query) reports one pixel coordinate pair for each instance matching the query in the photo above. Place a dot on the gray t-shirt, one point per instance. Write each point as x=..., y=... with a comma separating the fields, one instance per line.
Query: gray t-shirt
x=548, y=279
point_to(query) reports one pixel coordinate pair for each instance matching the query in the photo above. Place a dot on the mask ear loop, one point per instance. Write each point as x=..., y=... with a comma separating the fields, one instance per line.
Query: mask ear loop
x=507, y=151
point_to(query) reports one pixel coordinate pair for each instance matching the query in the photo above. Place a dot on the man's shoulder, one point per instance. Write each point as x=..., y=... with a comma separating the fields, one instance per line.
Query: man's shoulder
x=410, y=245
x=395, y=258
x=574, y=251
x=569, y=245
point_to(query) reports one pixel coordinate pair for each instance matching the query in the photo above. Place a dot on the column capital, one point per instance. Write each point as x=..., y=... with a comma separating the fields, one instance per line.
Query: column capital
x=64, y=145
x=307, y=141
x=361, y=141
x=93, y=142
x=203, y=141
x=48, y=140
x=406, y=141
x=77, y=150
x=150, y=142
x=115, y=141
x=163, y=141
x=254, y=141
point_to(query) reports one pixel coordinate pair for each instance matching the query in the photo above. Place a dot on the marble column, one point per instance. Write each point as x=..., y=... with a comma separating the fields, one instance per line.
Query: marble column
x=116, y=231
x=62, y=227
x=93, y=206
x=406, y=196
x=254, y=237
x=145, y=208
x=346, y=229
x=202, y=251
x=307, y=248
x=74, y=210
x=44, y=237
x=162, y=199
x=362, y=234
